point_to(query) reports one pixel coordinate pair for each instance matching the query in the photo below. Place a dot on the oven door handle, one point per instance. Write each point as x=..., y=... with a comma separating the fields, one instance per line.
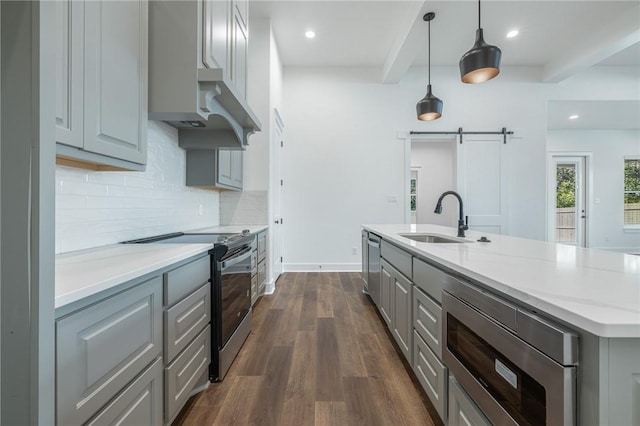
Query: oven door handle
x=237, y=258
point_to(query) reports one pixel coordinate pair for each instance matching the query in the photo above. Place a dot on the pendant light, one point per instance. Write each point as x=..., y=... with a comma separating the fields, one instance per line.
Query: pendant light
x=429, y=108
x=482, y=62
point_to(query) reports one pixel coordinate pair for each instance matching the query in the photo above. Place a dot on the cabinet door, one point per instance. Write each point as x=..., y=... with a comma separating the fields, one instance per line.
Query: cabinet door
x=224, y=166
x=402, y=314
x=217, y=34
x=239, y=54
x=236, y=169
x=230, y=168
x=115, y=95
x=139, y=404
x=386, y=288
x=101, y=348
x=69, y=72
x=262, y=276
x=262, y=246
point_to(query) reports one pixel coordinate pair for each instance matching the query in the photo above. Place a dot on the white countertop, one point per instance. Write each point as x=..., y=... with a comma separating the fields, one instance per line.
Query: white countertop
x=594, y=290
x=84, y=273
x=227, y=229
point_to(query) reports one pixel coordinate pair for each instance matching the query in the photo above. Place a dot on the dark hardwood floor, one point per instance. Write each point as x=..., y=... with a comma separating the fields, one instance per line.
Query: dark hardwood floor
x=318, y=354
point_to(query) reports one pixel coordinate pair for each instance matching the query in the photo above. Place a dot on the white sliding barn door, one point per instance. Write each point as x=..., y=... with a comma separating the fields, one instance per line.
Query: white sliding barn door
x=482, y=182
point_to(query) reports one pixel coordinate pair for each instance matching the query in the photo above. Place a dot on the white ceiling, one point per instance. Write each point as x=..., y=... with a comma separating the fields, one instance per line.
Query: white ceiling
x=594, y=115
x=366, y=32
x=560, y=37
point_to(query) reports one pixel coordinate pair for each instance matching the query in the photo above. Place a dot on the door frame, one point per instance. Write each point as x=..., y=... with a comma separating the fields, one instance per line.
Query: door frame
x=277, y=135
x=550, y=191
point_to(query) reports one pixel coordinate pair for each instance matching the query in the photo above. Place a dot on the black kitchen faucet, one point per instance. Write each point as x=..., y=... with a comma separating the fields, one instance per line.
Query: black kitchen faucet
x=462, y=224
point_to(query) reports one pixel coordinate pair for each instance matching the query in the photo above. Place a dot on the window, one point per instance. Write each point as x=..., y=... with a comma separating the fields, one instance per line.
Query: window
x=632, y=191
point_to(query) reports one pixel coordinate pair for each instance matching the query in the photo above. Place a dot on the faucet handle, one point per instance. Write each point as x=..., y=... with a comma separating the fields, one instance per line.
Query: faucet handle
x=466, y=222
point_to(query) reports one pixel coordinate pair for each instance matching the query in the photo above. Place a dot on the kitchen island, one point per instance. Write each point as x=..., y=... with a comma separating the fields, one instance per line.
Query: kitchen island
x=594, y=294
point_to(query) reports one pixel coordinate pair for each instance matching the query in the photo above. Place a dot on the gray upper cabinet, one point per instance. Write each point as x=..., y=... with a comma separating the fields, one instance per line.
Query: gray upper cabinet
x=215, y=169
x=214, y=47
x=230, y=168
x=239, y=49
x=69, y=72
x=101, y=84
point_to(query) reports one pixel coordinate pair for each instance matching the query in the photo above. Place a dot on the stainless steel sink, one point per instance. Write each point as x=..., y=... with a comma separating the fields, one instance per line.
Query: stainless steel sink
x=433, y=238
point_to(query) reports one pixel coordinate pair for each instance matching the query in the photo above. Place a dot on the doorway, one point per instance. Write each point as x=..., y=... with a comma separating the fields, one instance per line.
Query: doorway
x=567, y=216
x=433, y=171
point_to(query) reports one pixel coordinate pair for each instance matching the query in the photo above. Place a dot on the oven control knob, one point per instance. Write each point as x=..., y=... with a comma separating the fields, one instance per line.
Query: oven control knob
x=245, y=232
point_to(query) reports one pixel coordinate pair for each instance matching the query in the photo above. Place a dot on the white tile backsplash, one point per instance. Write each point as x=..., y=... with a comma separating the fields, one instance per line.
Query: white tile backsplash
x=100, y=208
x=244, y=208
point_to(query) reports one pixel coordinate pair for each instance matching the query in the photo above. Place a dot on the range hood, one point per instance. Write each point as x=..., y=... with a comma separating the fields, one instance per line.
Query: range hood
x=219, y=118
x=197, y=97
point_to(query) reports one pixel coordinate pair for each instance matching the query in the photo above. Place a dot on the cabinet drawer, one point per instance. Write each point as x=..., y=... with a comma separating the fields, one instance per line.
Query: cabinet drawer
x=430, y=279
x=254, y=262
x=400, y=259
x=103, y=347
x=181, y=376
x=139, y=404
x=185, y=320
x=186, y=279
x=254, y=289
x=262, y=246
x=432, y=375
x=462, y=410
x=262, y=275
x=427, y=320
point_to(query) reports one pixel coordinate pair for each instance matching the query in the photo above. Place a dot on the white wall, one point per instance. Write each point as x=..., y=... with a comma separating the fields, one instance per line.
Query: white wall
x=344, y=160
x=99, y=208
x=608, y=148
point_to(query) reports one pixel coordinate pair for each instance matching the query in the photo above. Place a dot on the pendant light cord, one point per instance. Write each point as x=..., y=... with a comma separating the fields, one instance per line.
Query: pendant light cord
x=429, y=45
x=479, y=26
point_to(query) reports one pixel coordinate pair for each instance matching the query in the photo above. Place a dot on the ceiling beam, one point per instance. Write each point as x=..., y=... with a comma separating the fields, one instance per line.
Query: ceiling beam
x=606, y=40
x=406, y=45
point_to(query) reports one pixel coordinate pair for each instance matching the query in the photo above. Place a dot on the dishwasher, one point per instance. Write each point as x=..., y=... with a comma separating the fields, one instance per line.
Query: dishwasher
x=373, y=268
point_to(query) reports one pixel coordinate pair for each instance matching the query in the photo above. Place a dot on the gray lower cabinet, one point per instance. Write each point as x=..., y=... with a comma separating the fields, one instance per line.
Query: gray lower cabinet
x=100, y=349
x=139, y=404
x=427, y=325
x=431, y=374
x=395, y=306
x=262, y=261
x=262, y=277
x=386, y=291
x=427, y=320
x=185, y=372
x=101, y=84
x=402, y=314
x=462, y=410
x=184, y=321
x=187, y=333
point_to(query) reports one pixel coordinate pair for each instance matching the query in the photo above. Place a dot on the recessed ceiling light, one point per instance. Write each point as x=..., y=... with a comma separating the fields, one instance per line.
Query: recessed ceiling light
x=512, y=33
x=310, y=34
x=574, y=116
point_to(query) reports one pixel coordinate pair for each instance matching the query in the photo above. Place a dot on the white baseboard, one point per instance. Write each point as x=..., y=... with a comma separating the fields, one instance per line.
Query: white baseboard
x=322, y=267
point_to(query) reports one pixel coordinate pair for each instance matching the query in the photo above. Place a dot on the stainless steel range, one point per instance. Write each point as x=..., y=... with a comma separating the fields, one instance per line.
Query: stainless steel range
x=231, y=292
